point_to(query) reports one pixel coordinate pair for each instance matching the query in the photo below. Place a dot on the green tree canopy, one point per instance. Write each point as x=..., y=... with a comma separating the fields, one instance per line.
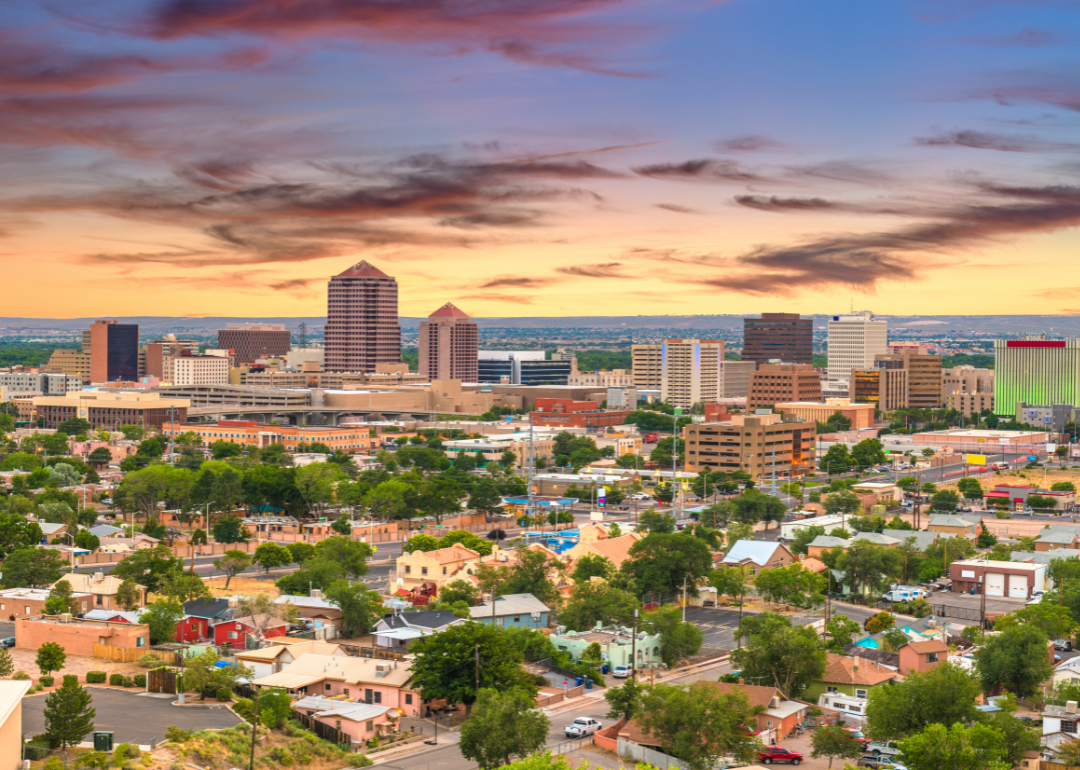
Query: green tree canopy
x=162, y=617
x=590, y=603
x=943, y=695
x=959, y=747
x=777, y=653
x=661, y=563
x=69, y=715
x=1015, y=659
x=503, y=725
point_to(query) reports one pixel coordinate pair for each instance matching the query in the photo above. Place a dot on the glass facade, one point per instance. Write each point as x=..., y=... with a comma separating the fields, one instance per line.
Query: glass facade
x=123, y=352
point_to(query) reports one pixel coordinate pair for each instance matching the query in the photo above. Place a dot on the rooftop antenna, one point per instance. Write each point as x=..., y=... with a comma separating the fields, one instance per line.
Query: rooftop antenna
x=303, y=334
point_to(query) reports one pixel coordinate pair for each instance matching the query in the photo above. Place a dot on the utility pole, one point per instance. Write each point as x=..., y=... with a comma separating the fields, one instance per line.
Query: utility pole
x=172, y=434
x=254, y=729
x=633, y=645
x=478, y=657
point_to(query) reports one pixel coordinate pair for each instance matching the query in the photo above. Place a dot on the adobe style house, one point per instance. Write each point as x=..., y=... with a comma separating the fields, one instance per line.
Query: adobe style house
x=360, y=721
x=78, y=636
x=273, y=659
x=439, y=567
x=18, y=603
x=360, y=680
x=101, y=586
x=922, y=656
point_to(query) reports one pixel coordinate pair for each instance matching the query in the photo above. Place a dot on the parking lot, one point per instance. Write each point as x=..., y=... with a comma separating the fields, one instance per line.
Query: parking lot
x=135, y=717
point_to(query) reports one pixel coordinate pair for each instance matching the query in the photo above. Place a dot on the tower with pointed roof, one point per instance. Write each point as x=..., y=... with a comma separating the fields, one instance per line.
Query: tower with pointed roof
x=449, y=345
x=362, y=328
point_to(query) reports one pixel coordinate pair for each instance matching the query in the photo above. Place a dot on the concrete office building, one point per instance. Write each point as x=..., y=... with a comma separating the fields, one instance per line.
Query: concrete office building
x=616, y=378
x=185, y=370
x=114, y=351
x=621, y=397
x=111, y=408
x=71, y=362
x=38, y=384
x=782, y=337
x=967, y=389
x=687, y=372
x=754, y=444
x=923, y=381
x=775, y=383
x=362, y=328
x=1035, y=370
x=854, y=342
x=885, y=389
x=861, y=415
x=521, y=367
x=251, y=341
x=297, y=358
x=449, y=346
x=735, y=377
x=158, y=351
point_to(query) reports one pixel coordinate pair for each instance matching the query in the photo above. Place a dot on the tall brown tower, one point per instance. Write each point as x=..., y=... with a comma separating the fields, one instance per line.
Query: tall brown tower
x=362, y=328
x=449, y=345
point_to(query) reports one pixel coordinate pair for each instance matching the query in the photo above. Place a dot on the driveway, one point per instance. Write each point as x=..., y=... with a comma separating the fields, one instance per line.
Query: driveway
x=134, y=717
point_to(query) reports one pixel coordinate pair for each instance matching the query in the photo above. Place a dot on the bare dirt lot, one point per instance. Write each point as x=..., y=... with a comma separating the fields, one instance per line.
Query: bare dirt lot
x=249, y=586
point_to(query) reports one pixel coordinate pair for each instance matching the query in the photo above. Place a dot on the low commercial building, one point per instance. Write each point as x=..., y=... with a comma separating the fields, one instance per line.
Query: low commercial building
x=348, y=439
x=111, y=408
x=565, y=412
x=78, y=636
x=861, y=415
x=755, y=444
x=617, y=645
x=997, y=578
x=491, y=448
x=1015, y=497
x=989, y=442
x=18, y=603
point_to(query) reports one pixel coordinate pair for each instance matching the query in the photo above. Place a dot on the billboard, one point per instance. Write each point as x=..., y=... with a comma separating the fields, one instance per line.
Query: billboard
x=976, y=460
x=1050, y=448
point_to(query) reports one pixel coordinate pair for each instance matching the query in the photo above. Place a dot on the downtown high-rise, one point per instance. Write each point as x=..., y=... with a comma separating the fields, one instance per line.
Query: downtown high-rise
x=855, y=341
x=449, y=346
x=362, y=329
x=778, y=338
x=1037, y=371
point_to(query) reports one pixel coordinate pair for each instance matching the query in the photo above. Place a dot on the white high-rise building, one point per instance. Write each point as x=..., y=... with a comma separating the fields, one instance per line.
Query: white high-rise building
x=854, y=341
x=686, y=372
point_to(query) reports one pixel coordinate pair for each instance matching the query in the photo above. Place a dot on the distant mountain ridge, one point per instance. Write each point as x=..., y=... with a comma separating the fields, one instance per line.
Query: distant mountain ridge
x=1015, y=324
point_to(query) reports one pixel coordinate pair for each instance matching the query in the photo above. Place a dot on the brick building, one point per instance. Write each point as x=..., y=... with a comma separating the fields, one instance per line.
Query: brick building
x=362, y=328
x=114, y=351
x=449, y=346
x=251, y=341
x=755, y=444
x=78, y=636
x=784, y=337
x=783, y=383
x=111, y=408
x=567, y=413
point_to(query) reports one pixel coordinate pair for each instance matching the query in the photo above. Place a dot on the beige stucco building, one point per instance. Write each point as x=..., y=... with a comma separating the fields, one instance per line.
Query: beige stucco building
x=686, y=371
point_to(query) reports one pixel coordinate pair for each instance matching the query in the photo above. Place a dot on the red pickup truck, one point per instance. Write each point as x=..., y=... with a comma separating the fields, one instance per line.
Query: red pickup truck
x=771, y=754
x=650, y=438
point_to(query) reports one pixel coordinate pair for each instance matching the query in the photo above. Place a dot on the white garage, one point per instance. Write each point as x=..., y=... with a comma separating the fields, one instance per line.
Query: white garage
x=995, y=583
x=1018, y=586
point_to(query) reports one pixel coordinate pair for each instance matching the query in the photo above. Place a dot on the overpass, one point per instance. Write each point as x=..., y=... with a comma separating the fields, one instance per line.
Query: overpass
x=329, y=416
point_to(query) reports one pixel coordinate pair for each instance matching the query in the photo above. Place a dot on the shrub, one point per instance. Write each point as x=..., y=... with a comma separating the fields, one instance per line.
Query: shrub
x=128, y=682
x=140, y=680
x=35, y=751
x=46, y=681
x=22, y=676
x=126, y=751
x=148, y=661
x=224, y=694
x=282, y=756
x=174, y=734
x=116, y=680
x=95, y=677
x=360, y=760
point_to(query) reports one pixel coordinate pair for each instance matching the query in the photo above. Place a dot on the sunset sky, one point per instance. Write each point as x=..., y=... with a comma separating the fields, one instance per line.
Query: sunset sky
x=541, y=157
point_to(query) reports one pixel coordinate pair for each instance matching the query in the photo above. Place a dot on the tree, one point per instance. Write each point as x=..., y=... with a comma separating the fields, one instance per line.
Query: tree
x=474, y=542
x=74, y=426
x=959, y=747
x=148, y=566
x=351, y=555
x=804, y=536
x=162, y=617
x=841, y=631
x=421, y=542
x=661, y=563
x=791, y=585
x=444, y=666
x=842, y=503
x=360, y=607
x=301, y=552
x=64, y=475
x=592, y=565
x=389, y=500
x=128, y=594
x=180, y=586
x=590, y=603
x=730, y=581
x=1063, y=486
x=270, y=555
x=625, y=701
x=944, y=500
x=678, y=640
x=233, y=562
x=1055, y=620
x=486, y=498
x=229, y=529
x=33, y=568
x=656, y=521
x=1014, y=659
x=833, y=741
x=508, y=460
x=503, y=725
x=867, y=567
x=318, y=573
x=459, y=591
x=875, y=624
x=944, y=695
x=867, y=453
x=61, y=599
x=970, y=488
x=202, y=674
x=440, y=498
x=777, y=653
x=68, y=713
x=7, y=666
x=50, y=657
x=264, y=612
x=133, y=432
x=699, y=723
x=836, y=459
x=88, y=540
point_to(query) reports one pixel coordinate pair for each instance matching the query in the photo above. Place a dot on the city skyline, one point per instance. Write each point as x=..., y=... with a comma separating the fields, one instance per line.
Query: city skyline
x=548, y=156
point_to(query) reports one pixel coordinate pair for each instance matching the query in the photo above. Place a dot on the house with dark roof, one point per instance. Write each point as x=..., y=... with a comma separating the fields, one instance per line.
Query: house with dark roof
x=211, y=609
x=400, y=629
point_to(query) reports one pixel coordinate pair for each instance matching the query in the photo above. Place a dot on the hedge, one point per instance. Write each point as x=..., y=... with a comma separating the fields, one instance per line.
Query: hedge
x=95, y=677
x=116, y=680
x=46, y=681
x=140, y=680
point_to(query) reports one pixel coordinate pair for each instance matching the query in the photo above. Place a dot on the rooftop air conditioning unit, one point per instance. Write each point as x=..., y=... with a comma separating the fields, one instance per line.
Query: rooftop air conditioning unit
x=774, y=702
x=1070, y=707
x=65, y=617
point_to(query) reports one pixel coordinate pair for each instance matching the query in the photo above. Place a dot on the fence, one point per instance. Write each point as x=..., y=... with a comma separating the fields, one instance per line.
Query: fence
x=960, y=613
x=324, y=731
x=628, y=750
x=132, y=654
x=565, y=747
x=372, y=652
x=161, y=681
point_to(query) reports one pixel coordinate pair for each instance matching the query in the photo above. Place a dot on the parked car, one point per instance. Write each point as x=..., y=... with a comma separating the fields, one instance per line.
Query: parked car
x=1063, y=645
x=9, y=642
x=858, y=735
x=877, y=748
x=882, y=762
x=622, y=672
x=581, y=727
x=771, y=754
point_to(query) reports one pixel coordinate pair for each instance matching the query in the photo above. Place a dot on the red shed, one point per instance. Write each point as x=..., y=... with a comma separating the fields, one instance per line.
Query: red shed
x=233, y=633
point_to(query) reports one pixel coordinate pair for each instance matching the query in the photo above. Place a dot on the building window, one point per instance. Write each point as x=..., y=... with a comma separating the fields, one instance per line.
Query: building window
x=140, y=642
x=326, y=686
x=768, y=723
x=831, y=690
x=408, y=699
x=408, y=569
x=370, y=725
x=423, y=570
x=860, y=693
x=1068, y=727
x=931, y=657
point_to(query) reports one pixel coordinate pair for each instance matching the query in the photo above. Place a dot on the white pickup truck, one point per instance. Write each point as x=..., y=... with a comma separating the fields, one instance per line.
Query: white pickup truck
x=880, y=748
x=581, y=727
